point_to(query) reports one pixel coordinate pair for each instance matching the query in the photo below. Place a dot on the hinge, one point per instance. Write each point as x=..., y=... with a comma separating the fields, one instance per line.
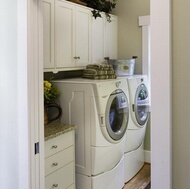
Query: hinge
x=36, y=148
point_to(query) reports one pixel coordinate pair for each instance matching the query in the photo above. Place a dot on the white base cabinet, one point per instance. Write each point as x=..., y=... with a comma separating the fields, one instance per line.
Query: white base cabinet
x=60, y=162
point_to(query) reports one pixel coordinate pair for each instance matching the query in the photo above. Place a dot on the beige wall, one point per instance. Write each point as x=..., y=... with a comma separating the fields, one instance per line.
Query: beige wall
x=129, y=42
x=181, y=97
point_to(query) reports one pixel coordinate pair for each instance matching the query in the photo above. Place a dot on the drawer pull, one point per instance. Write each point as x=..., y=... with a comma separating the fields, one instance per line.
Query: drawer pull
x=54, y=146
x=55, y=185
x=55, y=164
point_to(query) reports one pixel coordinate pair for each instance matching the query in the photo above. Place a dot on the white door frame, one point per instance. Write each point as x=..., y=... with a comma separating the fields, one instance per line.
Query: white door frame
x=30, y=94
x=161, y=119
x=160, y=91
x=35, y=91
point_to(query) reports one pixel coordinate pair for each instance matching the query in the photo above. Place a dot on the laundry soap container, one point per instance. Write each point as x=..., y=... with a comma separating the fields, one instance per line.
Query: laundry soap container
x=123, y=67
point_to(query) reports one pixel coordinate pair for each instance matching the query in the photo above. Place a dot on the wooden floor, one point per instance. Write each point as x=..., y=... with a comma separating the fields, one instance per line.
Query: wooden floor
x=141, y=180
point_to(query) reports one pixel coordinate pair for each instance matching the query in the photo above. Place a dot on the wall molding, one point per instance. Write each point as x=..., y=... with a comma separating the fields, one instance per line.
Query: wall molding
x=147, y=156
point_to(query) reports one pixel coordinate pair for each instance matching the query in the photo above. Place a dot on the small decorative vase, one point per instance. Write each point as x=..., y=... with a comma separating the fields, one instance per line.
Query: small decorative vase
x=46, y=117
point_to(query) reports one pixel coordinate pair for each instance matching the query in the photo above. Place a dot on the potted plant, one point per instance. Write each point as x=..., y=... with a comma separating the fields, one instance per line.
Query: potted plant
x=101, y=6
x=51, y=94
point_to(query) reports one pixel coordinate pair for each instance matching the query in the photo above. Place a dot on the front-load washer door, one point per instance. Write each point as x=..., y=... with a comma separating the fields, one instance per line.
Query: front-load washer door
x=141, y=105
x=117, y=114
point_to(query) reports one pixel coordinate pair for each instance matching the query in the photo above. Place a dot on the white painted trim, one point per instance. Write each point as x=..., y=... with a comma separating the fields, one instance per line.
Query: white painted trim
x=146, y=51
x=35, y=92
x=161, y=124
x=144, y=20
x=23, y=117
x=147, y=156
x=41, y=95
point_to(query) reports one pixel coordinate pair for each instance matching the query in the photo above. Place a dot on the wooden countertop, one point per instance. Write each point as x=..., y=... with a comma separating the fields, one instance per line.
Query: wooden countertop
x=53, y=130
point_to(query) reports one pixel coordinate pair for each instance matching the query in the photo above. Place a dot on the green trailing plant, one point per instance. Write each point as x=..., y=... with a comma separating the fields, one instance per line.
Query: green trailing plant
x=101, y=6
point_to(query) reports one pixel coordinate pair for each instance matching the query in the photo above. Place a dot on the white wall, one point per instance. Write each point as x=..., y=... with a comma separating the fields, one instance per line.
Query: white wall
x=14, y=160
x=8, y=96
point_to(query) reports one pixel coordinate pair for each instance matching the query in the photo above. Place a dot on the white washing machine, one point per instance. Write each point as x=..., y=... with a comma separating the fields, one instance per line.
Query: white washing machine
x=139, y=114
x=100, y=110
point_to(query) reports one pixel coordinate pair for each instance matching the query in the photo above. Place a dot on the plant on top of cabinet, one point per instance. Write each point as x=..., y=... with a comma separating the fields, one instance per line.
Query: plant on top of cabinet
x=101, y=6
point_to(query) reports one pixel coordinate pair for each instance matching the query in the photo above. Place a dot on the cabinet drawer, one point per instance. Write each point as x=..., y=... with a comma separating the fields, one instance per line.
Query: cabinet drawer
x=59, y=160
x=59, y=143
x=61, y=179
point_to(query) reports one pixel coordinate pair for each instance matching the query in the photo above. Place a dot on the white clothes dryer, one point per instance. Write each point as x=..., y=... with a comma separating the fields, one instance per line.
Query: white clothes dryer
x=100, y=110
x=139, y=114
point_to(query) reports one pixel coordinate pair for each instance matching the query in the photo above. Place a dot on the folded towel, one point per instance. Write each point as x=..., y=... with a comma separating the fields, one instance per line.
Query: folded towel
x=99, y=71
x=90, y=71
x=112, y=76
x=99, y=66
x=94, y=66
x=96, y=76
x=111, y=72
x=94, y=72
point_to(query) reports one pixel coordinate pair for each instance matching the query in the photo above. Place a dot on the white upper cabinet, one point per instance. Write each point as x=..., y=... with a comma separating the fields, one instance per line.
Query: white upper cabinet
x=98, y=39
x=48, y=35
x=72, y=35
x=67, y=35
x=104, y=38
x=83, y=36
x=64, y=35
x=73, y=38
x=111, y=38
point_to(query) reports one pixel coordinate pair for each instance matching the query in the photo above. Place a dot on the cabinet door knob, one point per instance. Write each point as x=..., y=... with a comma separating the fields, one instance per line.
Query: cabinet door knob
x=54, y=146
x=55, y=164
x=55, y=185
x=76, y=57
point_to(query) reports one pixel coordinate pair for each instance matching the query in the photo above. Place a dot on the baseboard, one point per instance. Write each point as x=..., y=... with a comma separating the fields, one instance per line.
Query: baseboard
x=147, y=156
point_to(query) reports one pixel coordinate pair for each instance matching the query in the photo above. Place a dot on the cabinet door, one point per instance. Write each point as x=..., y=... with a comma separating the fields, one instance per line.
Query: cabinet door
x=98, y=38
x=111, y=38
x=64, y=34
x=83, y=36
x=48, y=33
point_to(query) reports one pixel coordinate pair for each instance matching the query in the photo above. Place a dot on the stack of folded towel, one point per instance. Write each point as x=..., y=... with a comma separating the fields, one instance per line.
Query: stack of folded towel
x=99, y=71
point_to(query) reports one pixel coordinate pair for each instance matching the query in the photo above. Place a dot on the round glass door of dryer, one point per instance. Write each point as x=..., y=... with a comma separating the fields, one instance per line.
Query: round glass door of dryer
x=117, y=114
x=141, y=105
